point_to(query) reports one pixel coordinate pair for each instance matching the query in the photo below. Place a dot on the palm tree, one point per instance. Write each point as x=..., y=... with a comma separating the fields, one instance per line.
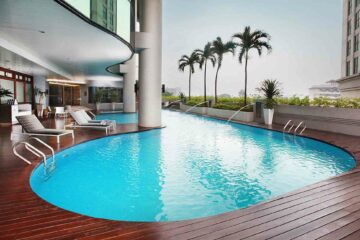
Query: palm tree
x=220, y=49
x=189, y=61
x=204, y=56
x=251, y=40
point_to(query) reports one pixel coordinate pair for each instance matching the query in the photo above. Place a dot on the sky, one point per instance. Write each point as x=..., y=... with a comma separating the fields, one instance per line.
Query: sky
x=305, y=36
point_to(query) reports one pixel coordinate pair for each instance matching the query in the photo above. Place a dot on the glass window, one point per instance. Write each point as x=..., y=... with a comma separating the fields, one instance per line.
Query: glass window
x=357, y=19
x=357, y=2
x=104, y=13
x=348, y=68
x=356, y=66
x=55, y=95
x=356, y=43
x=9, y=85
x=349, y=6
x=349, y=28
x=348, y=47
x=20, y=97
x=29, y=92
x=109, y=94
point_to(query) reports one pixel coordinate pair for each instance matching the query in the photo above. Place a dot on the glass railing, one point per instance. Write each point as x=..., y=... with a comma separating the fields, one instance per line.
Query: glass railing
x=111, y=14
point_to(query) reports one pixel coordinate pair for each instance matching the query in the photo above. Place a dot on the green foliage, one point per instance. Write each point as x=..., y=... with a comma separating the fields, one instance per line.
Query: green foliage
x=98, y=95
x=114, y=95
x=251, y=40
x=233, y=107
x=170, y=98
x=294, y=100
x=234, y=103
x=321, y=102
x=271, y=89
x=5, y=93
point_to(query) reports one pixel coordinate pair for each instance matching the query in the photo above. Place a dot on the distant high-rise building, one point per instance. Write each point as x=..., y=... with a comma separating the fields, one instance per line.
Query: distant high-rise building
x=330, y=89
x=349, y=83
x=104, y=13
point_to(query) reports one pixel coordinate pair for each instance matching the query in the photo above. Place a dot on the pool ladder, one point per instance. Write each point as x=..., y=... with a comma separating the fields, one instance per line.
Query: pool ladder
x=48, y=168
x=291, y=125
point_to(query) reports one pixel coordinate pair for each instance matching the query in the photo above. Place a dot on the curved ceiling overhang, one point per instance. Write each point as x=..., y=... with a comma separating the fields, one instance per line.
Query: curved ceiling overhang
x=61, y=39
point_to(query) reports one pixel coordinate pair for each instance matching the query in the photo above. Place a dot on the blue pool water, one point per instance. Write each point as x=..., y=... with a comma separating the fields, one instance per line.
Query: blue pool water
x=119, y=118
x=195, y=167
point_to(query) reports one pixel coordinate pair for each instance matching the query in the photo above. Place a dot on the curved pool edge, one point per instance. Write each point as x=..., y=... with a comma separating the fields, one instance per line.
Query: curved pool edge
x=262, y=126
x=85, y=141
x=343, y=148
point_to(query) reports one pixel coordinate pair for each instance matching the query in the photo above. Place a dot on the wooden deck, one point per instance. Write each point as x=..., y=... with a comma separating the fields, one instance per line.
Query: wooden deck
x=326, y=210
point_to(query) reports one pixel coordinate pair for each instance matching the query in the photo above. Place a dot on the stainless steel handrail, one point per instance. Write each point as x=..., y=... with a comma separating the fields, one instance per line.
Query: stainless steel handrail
x=33, y=150
x=301, y=123
x=46, y=145
x=292, y=125
x=288, y=122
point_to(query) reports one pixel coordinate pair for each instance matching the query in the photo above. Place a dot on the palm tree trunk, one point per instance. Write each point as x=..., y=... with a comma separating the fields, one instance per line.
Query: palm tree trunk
x=246, y=62
x=205, y=83
x=189, y=83
x=216, y=77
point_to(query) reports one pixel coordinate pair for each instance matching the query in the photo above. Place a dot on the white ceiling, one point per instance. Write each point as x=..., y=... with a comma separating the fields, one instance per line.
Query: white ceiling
x=45, y=33
x=13, y=61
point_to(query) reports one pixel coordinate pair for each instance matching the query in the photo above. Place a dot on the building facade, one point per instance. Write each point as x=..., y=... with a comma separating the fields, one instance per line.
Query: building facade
x=330, y=89
x=72, y=64
x=104, y=12
x=349, y=83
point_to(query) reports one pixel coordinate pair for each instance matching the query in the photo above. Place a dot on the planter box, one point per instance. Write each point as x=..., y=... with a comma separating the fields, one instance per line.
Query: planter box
x=240, y=116
x=220, y=113
x=198, y=110
x=339, y=120
x=109, y=106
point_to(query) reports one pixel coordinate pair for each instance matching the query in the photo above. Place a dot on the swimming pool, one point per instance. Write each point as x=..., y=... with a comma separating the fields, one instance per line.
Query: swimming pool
x=195, y=167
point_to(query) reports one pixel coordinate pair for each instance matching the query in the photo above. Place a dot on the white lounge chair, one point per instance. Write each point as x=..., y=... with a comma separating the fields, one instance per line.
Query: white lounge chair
x=32, y=126
x=81, y=122
x=90, y=120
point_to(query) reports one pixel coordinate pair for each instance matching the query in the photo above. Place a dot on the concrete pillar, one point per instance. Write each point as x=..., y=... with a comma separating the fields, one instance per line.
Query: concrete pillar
x=130, y=76
x=150, y=19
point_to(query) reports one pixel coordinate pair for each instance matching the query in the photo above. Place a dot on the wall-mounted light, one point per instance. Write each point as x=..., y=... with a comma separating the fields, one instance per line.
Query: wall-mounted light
x=54, y=80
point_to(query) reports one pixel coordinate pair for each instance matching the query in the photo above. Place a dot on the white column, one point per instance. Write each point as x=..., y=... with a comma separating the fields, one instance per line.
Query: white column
x=150, y=64
x=130, y=76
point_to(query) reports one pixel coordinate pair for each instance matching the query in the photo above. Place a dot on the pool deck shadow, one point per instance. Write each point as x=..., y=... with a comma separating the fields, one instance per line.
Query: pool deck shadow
x=329, y=209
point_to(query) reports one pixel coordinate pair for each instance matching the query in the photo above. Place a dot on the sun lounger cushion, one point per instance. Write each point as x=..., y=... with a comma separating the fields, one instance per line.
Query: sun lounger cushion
x=49, y=131
x=86, y=116
x=30, y=123
x=80, y=120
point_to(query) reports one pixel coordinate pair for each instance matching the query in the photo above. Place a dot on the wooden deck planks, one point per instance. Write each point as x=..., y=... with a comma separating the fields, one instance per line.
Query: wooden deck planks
x=329, y=209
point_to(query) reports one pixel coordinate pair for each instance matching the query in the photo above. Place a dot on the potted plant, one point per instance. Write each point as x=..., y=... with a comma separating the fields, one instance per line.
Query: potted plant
x=182, y=97
x=5, y=93
x=271, y=89
x=114, y=98
x=98, y=98
x=40, y=95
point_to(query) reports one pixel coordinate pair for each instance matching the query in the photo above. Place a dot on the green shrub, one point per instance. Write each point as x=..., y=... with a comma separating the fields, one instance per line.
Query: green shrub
x=170, y=98
x=234, y=103
x=233, y=107
x=196, y=102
